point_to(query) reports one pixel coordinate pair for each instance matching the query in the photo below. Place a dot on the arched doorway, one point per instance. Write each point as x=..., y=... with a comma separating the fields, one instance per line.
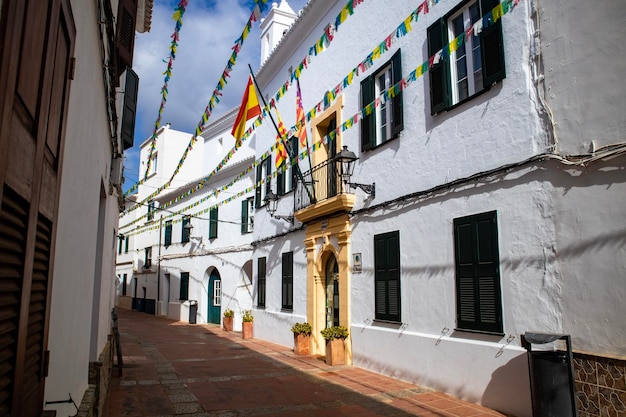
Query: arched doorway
x=332, y=291
x=214, y=312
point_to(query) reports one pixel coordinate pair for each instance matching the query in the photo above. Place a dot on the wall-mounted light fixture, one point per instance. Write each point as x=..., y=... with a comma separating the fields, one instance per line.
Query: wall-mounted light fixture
x=188, y=228
x=271, y=204
x=347, y=158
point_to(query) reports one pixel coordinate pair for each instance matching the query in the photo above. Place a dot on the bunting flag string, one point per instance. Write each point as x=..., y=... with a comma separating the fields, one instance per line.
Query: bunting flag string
x=488, y=19
x=254, y=16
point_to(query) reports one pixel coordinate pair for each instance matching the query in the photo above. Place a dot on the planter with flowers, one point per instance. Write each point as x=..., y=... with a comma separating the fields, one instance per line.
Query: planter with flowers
x=301, y=338
x=228, y=320
x=335, y=344
x=246, y=325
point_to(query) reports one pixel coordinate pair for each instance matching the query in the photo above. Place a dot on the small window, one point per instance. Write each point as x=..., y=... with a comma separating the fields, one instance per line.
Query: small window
x=387, y=276
x=477, y=264
x=126, y=239
x=263, y=173
x=120, y=240
x=385, y=121
x=151, y=209
x=184, y=286
x=153, y=165
x=213, y=221
x=147, y=261
x=247, y=215
x=477, y=61
x=184, y=237
x=261, y=281
x=168, y=233
x=217, y=293
x=124, y=284
x=287, y=281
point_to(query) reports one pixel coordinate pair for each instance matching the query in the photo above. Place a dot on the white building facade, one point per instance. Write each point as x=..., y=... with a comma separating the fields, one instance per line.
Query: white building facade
x=497, y=206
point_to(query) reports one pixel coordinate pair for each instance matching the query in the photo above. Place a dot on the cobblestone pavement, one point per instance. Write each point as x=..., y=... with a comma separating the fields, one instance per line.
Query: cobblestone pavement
x=178, y=369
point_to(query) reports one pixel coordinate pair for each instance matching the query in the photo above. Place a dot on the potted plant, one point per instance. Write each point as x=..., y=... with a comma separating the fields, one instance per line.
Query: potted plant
x=246, y=326
x=301, y=338
x=335, y=344
x=228, y=320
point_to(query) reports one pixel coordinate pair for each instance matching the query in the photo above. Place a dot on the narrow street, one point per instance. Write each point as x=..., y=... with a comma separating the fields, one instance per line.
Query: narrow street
x=177, y=369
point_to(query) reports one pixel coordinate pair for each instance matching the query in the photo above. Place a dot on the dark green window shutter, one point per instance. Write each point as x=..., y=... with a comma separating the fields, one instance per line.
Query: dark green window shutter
x=287, y=284
x=184, y=286
x=479, y=305
x=439, y=74
x=387, y=276
x=257, y=190
x=398, y=117
x=126, y=244
x=261, y=266
x=120, y=240
x=184, y=237
x=131, y=91
x=244, y=217
x=280, y=179
x=268, y=176
x=368, y=123
x=168, y=233
x=213, y=223
x=491, y=46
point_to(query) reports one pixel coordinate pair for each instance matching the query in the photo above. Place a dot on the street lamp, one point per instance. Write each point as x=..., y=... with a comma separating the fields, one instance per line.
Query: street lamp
x=271, y=204
x=347, y=158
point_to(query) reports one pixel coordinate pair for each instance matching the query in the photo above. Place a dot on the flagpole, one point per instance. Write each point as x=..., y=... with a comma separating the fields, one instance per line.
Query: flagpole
x=304, y=126
x=282, y=139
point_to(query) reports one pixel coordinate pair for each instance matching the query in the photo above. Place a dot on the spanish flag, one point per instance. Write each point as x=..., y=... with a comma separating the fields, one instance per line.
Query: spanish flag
x=249, y=109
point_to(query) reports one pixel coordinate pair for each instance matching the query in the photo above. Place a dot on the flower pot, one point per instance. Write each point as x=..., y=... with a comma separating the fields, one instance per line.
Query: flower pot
x=301, y=343
x=228, y=324
x=246, y=330
x=335, y=352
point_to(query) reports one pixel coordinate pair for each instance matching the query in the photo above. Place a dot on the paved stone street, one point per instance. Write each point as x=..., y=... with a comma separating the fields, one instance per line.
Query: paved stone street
x=178, y=369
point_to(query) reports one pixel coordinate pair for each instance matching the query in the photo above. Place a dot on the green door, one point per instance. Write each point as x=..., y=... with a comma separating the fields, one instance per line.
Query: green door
x=215, y=298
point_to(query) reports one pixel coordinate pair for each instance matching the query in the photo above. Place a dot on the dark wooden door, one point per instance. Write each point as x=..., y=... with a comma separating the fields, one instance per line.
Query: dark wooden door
x=36, y=47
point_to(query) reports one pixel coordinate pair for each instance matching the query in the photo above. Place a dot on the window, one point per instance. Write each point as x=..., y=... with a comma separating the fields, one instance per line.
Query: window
x=263, y=172
x=147, y=260
x=168, y=233
x=261, y=268
x=153, y=164
x=287, y=175
x=184, y=237
x=217, y=293
x=184, y=286
x=247, y=215
x=385, y=122
x=477, y=264
x=387, y=276
x=478, y=61
x=120, y=240
x=126, y=239
x=213, y=223
x=151, y=209
x=124, y=285
x=287, y=287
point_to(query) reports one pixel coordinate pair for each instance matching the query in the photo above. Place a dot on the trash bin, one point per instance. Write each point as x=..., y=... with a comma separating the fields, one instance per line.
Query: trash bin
x=551, y=376
x=193, y=311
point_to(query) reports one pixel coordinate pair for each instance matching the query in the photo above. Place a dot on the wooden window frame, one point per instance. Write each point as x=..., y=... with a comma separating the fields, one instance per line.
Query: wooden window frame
x=387, y=278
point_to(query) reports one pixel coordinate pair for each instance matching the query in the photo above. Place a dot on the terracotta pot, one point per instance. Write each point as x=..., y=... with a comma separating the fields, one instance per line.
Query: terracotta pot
x=335, y=352
x=228, y=324
x=301, y=343
x=246, y=330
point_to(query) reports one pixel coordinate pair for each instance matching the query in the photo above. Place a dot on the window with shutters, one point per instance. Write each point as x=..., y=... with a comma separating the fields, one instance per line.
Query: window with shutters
x=151, y=210
x=131, y=90
x=125, y=34
x=126, y=241
x=120, y=240
x=261, y=281
x=184, y=286
x=247, y=215
x=387, y=276
x=287, y=281
x=168, y=233
x=263, y=183
x=147, y=260
x=153, y=164
x=286, y=176
x=184, y=237
x=385, y=121
x=468, y=54
x=124, y=284
x=213, y=221
x=477, y=264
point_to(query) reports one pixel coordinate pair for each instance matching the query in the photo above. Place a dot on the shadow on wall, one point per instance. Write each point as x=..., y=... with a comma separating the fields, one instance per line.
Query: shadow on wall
x=511, y=376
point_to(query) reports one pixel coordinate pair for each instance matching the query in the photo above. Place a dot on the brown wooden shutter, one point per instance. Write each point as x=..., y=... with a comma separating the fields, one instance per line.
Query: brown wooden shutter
x=125, y=34
x=131, y=90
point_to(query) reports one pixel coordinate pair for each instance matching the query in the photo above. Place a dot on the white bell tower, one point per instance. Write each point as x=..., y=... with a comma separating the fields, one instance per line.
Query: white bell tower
x=274, y=26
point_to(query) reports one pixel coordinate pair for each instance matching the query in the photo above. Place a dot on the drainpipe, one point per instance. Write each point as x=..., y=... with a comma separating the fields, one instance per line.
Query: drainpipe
x=158, y=297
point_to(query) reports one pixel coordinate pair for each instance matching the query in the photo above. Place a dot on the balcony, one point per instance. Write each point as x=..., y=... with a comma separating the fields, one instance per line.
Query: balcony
x=322, y=192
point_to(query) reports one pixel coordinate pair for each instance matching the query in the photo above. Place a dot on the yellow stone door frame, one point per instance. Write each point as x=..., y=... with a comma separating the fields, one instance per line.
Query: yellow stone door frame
x=323, y=238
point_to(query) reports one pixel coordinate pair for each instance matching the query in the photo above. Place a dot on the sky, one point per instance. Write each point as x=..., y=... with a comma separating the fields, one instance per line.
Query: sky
x=208, y=33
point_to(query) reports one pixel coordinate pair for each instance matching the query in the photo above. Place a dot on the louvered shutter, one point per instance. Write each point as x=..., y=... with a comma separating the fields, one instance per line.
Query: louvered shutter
x=184, y=286
x=261, y=282
x=244, y=216
x=131, y=89
x=438, y=74
x=213, y=223
x=368, y=123
x=168, y=233
x=477, y=273
x=387, y=276
x=125, y=34
x=491, y=46
x=257, y=190
x=398, y=117
x=287, y=287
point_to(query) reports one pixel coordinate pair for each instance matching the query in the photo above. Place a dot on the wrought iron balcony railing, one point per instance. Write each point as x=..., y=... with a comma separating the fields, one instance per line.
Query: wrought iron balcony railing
x=320, y=183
